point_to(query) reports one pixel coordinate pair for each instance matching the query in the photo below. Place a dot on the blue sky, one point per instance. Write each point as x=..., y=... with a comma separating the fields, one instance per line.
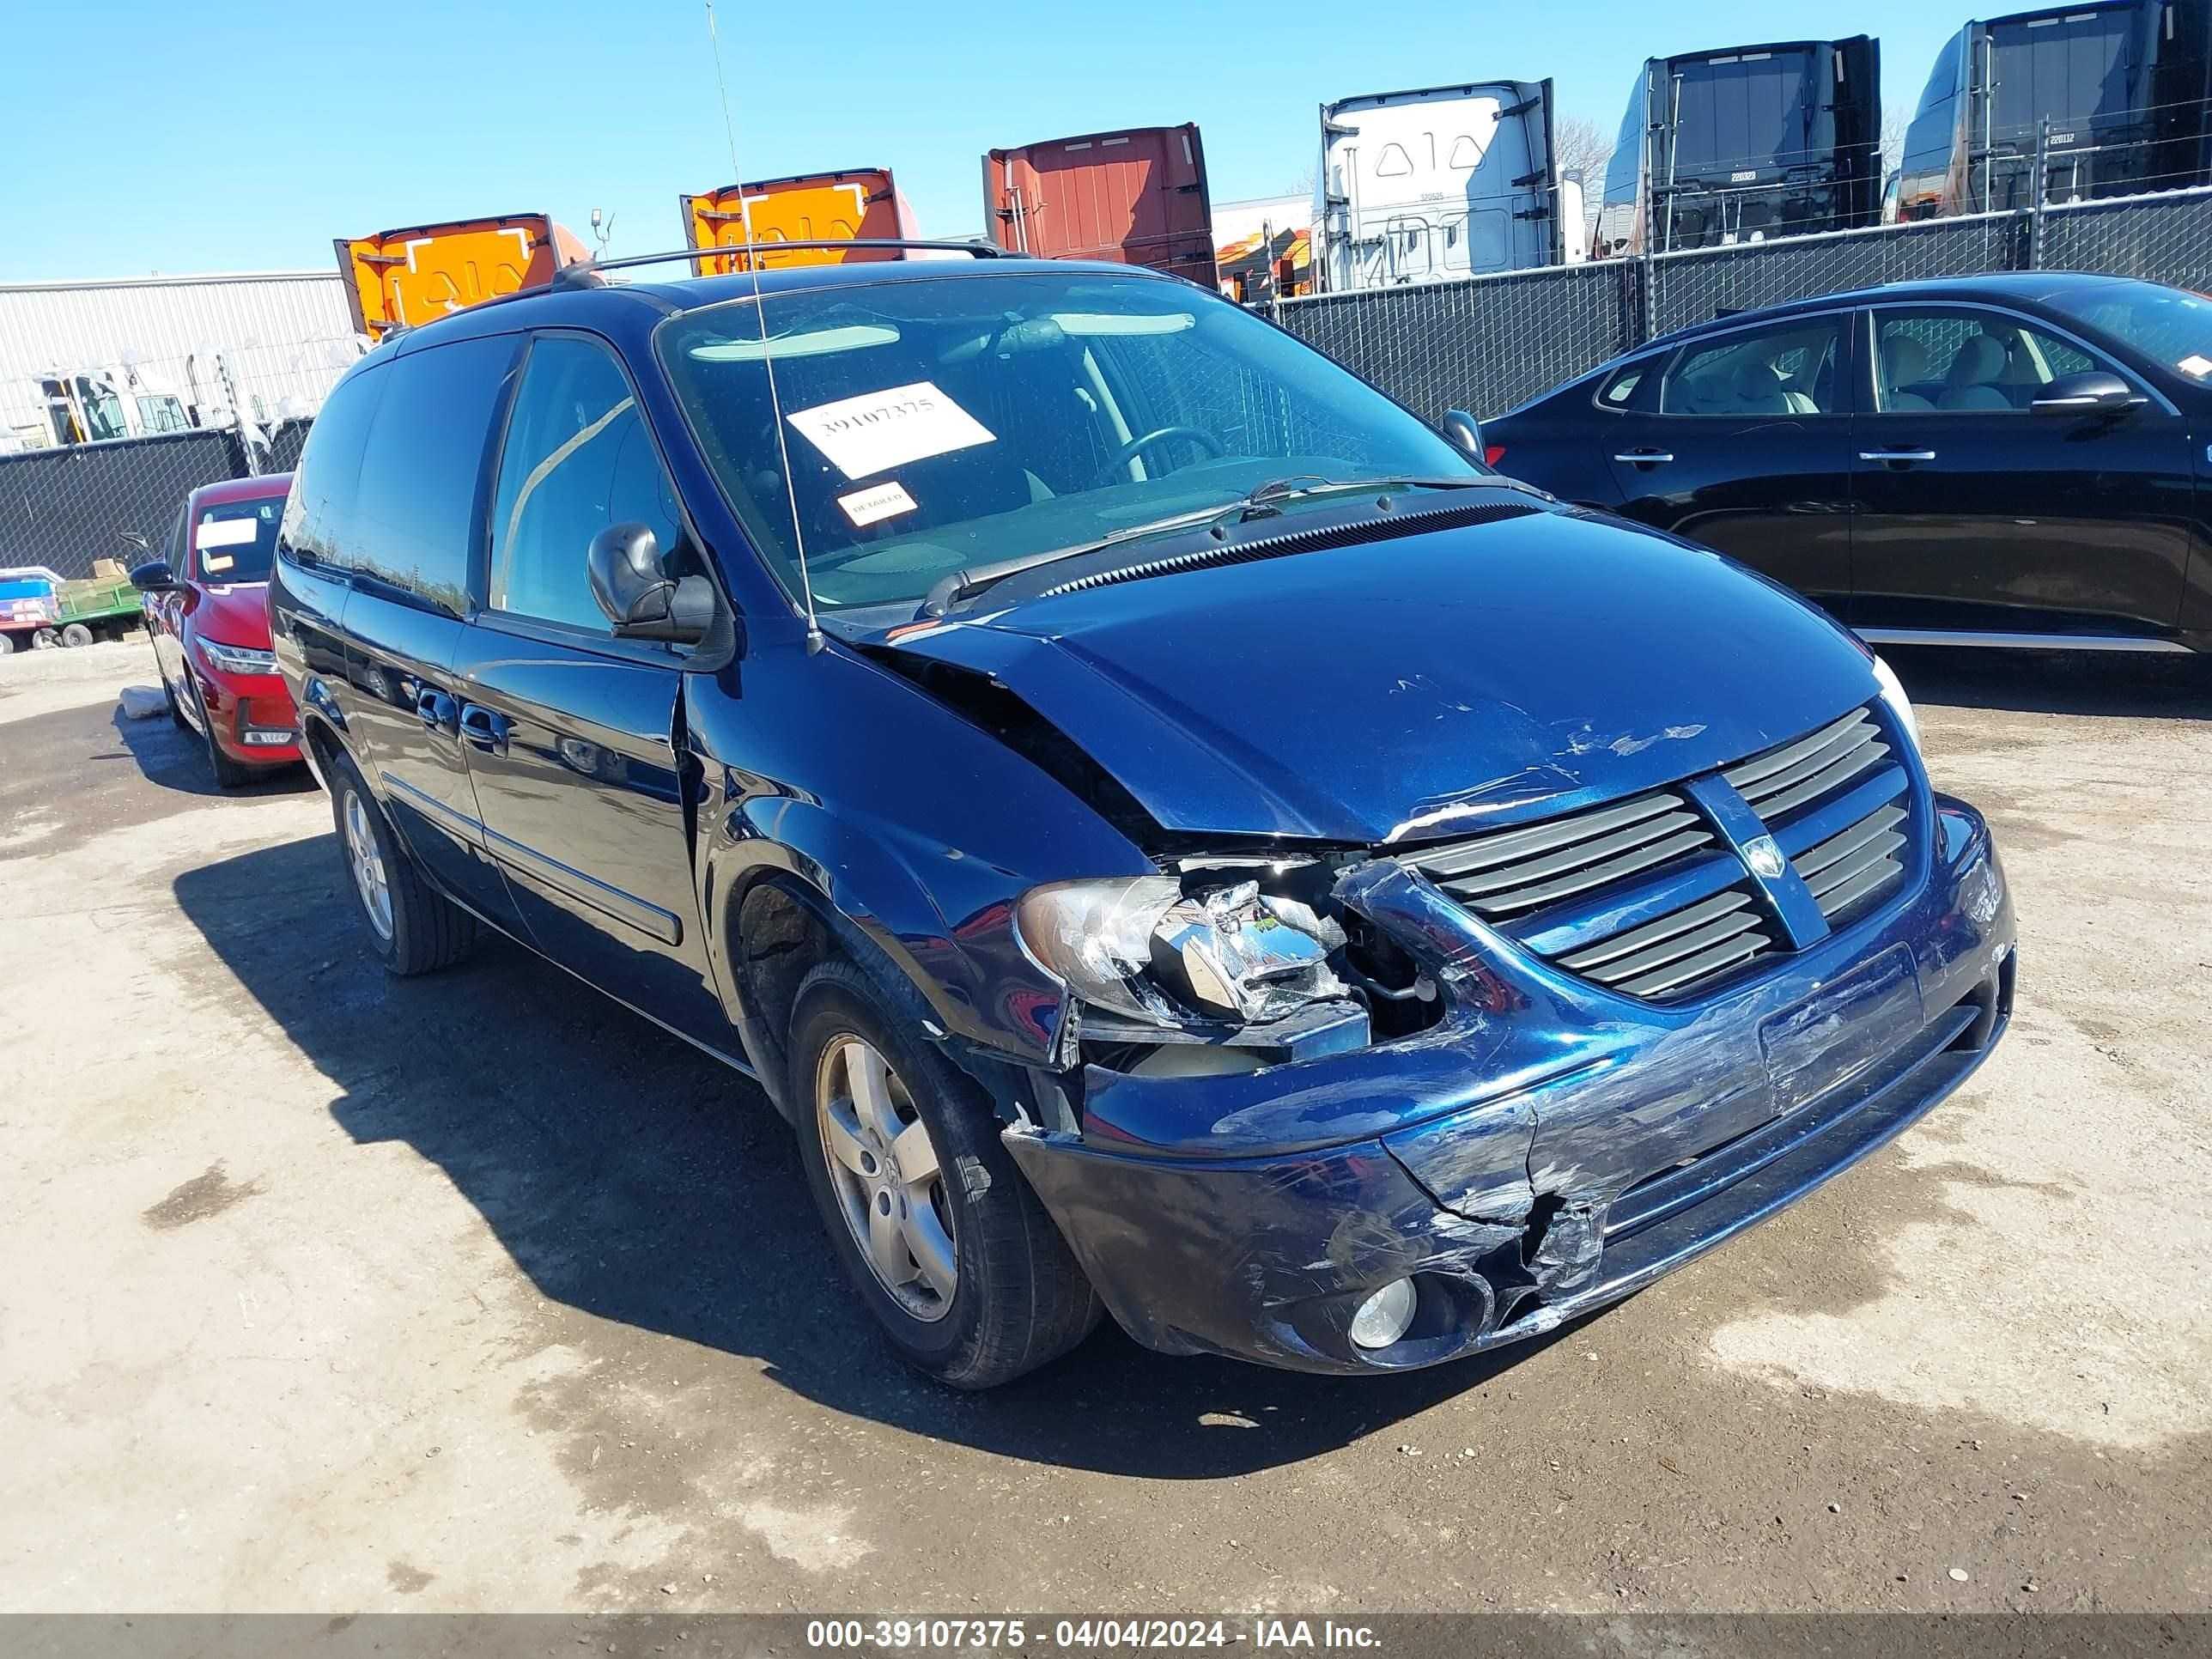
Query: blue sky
x=246, y=135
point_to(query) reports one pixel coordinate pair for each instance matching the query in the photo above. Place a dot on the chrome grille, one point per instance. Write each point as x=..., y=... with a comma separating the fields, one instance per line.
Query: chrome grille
x=1518, y=870
x=1782, y=780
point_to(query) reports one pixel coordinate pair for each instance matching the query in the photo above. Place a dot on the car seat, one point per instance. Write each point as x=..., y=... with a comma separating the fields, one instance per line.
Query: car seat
x=1904, y=361
x=1975, y=372
x=2022, y=382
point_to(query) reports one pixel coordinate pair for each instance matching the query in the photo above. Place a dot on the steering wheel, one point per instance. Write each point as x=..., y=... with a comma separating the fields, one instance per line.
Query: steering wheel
x=1136, y=446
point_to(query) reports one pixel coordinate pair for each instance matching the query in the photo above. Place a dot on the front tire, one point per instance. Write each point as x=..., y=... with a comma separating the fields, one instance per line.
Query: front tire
x=413, y=928
x=937, y=1230
x=228, y=773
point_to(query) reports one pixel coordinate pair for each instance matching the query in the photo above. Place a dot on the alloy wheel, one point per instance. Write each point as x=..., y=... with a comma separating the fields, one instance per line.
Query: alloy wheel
x=368, y=862
x=884, y=1169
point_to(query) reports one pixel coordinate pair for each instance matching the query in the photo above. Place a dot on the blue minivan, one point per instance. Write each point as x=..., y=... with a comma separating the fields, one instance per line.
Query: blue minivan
x=1172, y=834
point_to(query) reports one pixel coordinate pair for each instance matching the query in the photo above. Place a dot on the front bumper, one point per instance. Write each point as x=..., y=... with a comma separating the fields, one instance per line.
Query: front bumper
x=1548, y=1149
x=251, y=717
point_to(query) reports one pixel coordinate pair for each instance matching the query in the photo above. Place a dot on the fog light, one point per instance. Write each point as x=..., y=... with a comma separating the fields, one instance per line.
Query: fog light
x=1384, y=1316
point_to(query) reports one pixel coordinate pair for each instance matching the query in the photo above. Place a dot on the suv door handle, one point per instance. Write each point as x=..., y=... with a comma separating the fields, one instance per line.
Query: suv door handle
x=1897, y=454
x=483, y=729
x=1645, y=457
x=435, y=708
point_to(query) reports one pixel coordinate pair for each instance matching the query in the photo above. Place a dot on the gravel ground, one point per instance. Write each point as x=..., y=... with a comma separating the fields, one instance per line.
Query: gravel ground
x=327, y=1293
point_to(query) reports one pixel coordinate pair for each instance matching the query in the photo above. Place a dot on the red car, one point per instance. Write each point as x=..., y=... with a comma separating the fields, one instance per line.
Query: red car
x=207, y=607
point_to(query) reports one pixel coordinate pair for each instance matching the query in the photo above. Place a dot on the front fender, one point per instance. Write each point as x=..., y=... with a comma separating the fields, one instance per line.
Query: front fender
x=915, y=827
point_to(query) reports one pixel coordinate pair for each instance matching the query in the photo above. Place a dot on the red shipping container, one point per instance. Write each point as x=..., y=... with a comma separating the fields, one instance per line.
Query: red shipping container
x=1136, y=197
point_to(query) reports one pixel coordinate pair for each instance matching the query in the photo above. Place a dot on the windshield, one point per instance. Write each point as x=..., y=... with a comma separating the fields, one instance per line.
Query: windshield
x=235, y=541
x=2164, y=324
x=936, y=424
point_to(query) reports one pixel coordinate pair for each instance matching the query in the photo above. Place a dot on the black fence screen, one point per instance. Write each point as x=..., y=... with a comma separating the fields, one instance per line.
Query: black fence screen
x=64, y=508
x=1489, y=342
x=1482, y=345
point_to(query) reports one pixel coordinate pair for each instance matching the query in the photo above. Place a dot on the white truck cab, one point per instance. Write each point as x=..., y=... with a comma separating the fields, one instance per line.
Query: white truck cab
x=1441, y=183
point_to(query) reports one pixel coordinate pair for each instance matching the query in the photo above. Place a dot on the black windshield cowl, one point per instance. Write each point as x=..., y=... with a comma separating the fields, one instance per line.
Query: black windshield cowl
x=1209, y=527
x=1227, y=541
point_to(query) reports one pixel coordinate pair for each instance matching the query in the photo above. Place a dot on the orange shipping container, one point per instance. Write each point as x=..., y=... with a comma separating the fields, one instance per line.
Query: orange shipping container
x=814, y=207
x=1138, y=197
x=404, y=278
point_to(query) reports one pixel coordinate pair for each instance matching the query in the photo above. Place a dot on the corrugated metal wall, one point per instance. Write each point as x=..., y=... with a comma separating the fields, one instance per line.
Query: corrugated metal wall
x=285, y=337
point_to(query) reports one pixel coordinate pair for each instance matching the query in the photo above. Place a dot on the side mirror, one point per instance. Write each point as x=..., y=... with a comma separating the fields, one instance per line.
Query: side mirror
x=1465, y=433
x=2091, y=392
x=154, y=576
x=640, y=598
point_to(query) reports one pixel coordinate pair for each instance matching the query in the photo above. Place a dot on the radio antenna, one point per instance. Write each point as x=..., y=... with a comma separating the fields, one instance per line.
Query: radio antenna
x=760, y=317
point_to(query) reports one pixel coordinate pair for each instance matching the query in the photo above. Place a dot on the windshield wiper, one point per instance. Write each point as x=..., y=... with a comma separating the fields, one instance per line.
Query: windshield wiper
x=1261, y=498
x=1310, y=484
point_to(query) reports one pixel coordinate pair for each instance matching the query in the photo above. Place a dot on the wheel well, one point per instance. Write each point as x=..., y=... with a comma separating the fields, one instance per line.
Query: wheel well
x=778, y=938
x=322, y=740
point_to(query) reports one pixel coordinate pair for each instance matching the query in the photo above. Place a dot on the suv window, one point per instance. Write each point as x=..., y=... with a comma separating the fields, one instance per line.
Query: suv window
x=425, y=455
x=319, y=517
x=577, y=458
x=1786, y=369
x=1965, y=362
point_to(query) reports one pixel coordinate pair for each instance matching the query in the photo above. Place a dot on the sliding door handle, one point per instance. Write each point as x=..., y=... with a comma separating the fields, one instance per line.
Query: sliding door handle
x=1644, y=456
x=482, y=730
x=1896, y=455
x=436, y=709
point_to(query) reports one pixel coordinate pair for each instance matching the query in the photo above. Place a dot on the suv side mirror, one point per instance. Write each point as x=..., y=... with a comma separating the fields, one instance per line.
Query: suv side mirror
x=2091, y=392
x=1465, y=433
x=640, y=598
x=154, y=576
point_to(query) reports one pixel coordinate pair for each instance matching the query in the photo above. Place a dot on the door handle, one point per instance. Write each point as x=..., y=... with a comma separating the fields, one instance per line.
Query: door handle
x=1645, y=457
x=483, y=730
x=1897, y=454
x=435, y=709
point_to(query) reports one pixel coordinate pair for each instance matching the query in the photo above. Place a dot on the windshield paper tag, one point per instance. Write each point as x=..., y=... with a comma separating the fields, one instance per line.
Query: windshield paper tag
x=883, y=501
x=2196, y=363
x=227, y=532
x=865, y=435
x=213, y=564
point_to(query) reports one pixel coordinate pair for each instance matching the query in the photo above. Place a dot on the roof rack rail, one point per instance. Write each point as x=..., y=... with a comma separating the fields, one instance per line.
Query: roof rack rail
x=583, y=274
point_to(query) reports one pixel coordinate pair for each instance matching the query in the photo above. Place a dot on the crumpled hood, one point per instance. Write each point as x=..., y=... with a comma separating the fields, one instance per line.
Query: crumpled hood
x=1429, y=686
x=235, y=616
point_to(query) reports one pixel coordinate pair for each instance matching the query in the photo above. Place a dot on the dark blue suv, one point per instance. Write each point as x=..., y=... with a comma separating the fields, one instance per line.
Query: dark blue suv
x=1170, y=831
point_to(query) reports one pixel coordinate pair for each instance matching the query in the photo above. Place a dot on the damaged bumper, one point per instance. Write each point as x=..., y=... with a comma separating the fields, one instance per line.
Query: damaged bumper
x=1548, y=1148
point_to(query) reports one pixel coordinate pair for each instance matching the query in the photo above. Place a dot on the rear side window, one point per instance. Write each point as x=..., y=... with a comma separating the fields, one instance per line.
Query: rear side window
x=577, y=458
x=1789, y=369
x=419, y=480
x=319, y=517
x=1620, y=392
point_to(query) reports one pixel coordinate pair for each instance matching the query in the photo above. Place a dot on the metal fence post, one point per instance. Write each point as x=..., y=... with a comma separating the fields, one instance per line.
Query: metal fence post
x=1648, y=306
x=247, y=456
x=2042, y=194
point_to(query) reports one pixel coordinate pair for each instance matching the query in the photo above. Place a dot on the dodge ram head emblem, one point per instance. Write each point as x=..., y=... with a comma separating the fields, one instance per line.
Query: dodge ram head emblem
x=1763, y=857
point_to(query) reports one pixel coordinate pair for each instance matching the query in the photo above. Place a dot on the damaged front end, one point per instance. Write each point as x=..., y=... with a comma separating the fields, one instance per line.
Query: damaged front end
x=1319, y=1113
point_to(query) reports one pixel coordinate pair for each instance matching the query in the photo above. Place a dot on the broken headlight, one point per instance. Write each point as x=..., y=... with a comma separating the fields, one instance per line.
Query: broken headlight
x=1166, y=950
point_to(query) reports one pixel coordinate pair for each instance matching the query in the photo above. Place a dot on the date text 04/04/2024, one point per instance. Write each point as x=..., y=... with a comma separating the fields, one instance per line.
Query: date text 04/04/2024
x=1018, y=1634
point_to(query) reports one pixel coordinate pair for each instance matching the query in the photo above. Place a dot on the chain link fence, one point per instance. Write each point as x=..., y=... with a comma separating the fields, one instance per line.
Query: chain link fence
x=1483, y=344
x=1488, y=343
x=62, y=507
